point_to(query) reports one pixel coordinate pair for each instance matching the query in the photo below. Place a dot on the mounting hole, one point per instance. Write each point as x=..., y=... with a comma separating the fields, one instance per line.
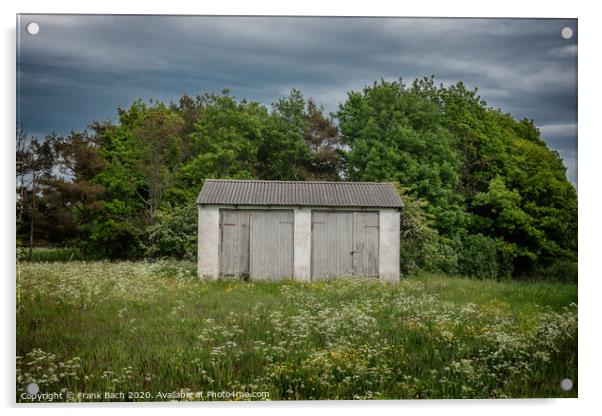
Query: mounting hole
x=566, y=32
x=566, y=384
x=32, y=388
x=32, y=28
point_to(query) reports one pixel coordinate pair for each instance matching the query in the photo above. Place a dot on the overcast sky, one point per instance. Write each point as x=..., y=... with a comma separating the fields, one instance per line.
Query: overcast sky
x=81, y=68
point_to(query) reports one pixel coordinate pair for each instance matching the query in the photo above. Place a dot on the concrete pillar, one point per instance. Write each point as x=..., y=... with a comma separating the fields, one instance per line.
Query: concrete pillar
x=302, y=244
x=389, y=245
x=208, y=242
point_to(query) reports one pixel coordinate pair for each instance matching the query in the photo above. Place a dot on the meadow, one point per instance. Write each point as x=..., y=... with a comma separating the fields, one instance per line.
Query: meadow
x=152, y=331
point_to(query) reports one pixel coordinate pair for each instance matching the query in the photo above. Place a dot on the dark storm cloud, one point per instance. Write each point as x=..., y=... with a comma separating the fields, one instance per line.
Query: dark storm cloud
x=80, y=68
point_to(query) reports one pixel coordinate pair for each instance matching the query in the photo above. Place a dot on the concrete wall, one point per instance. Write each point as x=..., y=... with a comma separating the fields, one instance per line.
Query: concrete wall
x=388, y=265
x=208, y=242
x=302, y=244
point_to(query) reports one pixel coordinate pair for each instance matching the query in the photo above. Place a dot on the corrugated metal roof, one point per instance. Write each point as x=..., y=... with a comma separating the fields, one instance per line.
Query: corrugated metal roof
x=319, y=194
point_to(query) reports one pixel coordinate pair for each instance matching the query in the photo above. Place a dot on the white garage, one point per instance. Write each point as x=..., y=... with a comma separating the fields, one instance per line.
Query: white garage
x=269, y=230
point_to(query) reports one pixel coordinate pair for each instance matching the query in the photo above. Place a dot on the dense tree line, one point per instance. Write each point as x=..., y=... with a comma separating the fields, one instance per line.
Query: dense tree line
x=484, y=195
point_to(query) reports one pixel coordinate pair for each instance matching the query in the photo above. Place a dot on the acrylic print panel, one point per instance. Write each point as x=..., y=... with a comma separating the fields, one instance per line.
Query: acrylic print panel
x=137, y=136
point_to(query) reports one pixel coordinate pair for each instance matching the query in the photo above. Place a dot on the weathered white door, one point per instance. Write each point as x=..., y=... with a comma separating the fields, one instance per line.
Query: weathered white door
x=365, y=243
x=234, y=243
x=332, y=244
x=271, y=245
x=256, y=243
x=344, y=243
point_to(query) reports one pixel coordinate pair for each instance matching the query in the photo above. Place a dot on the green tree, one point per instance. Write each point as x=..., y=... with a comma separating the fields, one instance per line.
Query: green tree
x=226, y=141
x=321, y=134
x=283, y=154
x=142, y=154
x=299, y=142
x=76, y=195
x=481, y=171
x=35, y=161
x=393, y=133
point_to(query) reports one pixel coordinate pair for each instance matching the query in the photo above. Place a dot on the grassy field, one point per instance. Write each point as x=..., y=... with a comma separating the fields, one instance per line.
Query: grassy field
x=153, y=331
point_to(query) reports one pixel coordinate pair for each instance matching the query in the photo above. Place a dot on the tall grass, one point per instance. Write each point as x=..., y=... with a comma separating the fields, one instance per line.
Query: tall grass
x=48, y=254
x=153, y=327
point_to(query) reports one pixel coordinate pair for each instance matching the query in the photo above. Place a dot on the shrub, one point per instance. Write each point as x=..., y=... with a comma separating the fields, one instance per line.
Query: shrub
x=174, y=234
x=478, y=257
x=446, y=255
x=562, y=271
x=418, y=242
